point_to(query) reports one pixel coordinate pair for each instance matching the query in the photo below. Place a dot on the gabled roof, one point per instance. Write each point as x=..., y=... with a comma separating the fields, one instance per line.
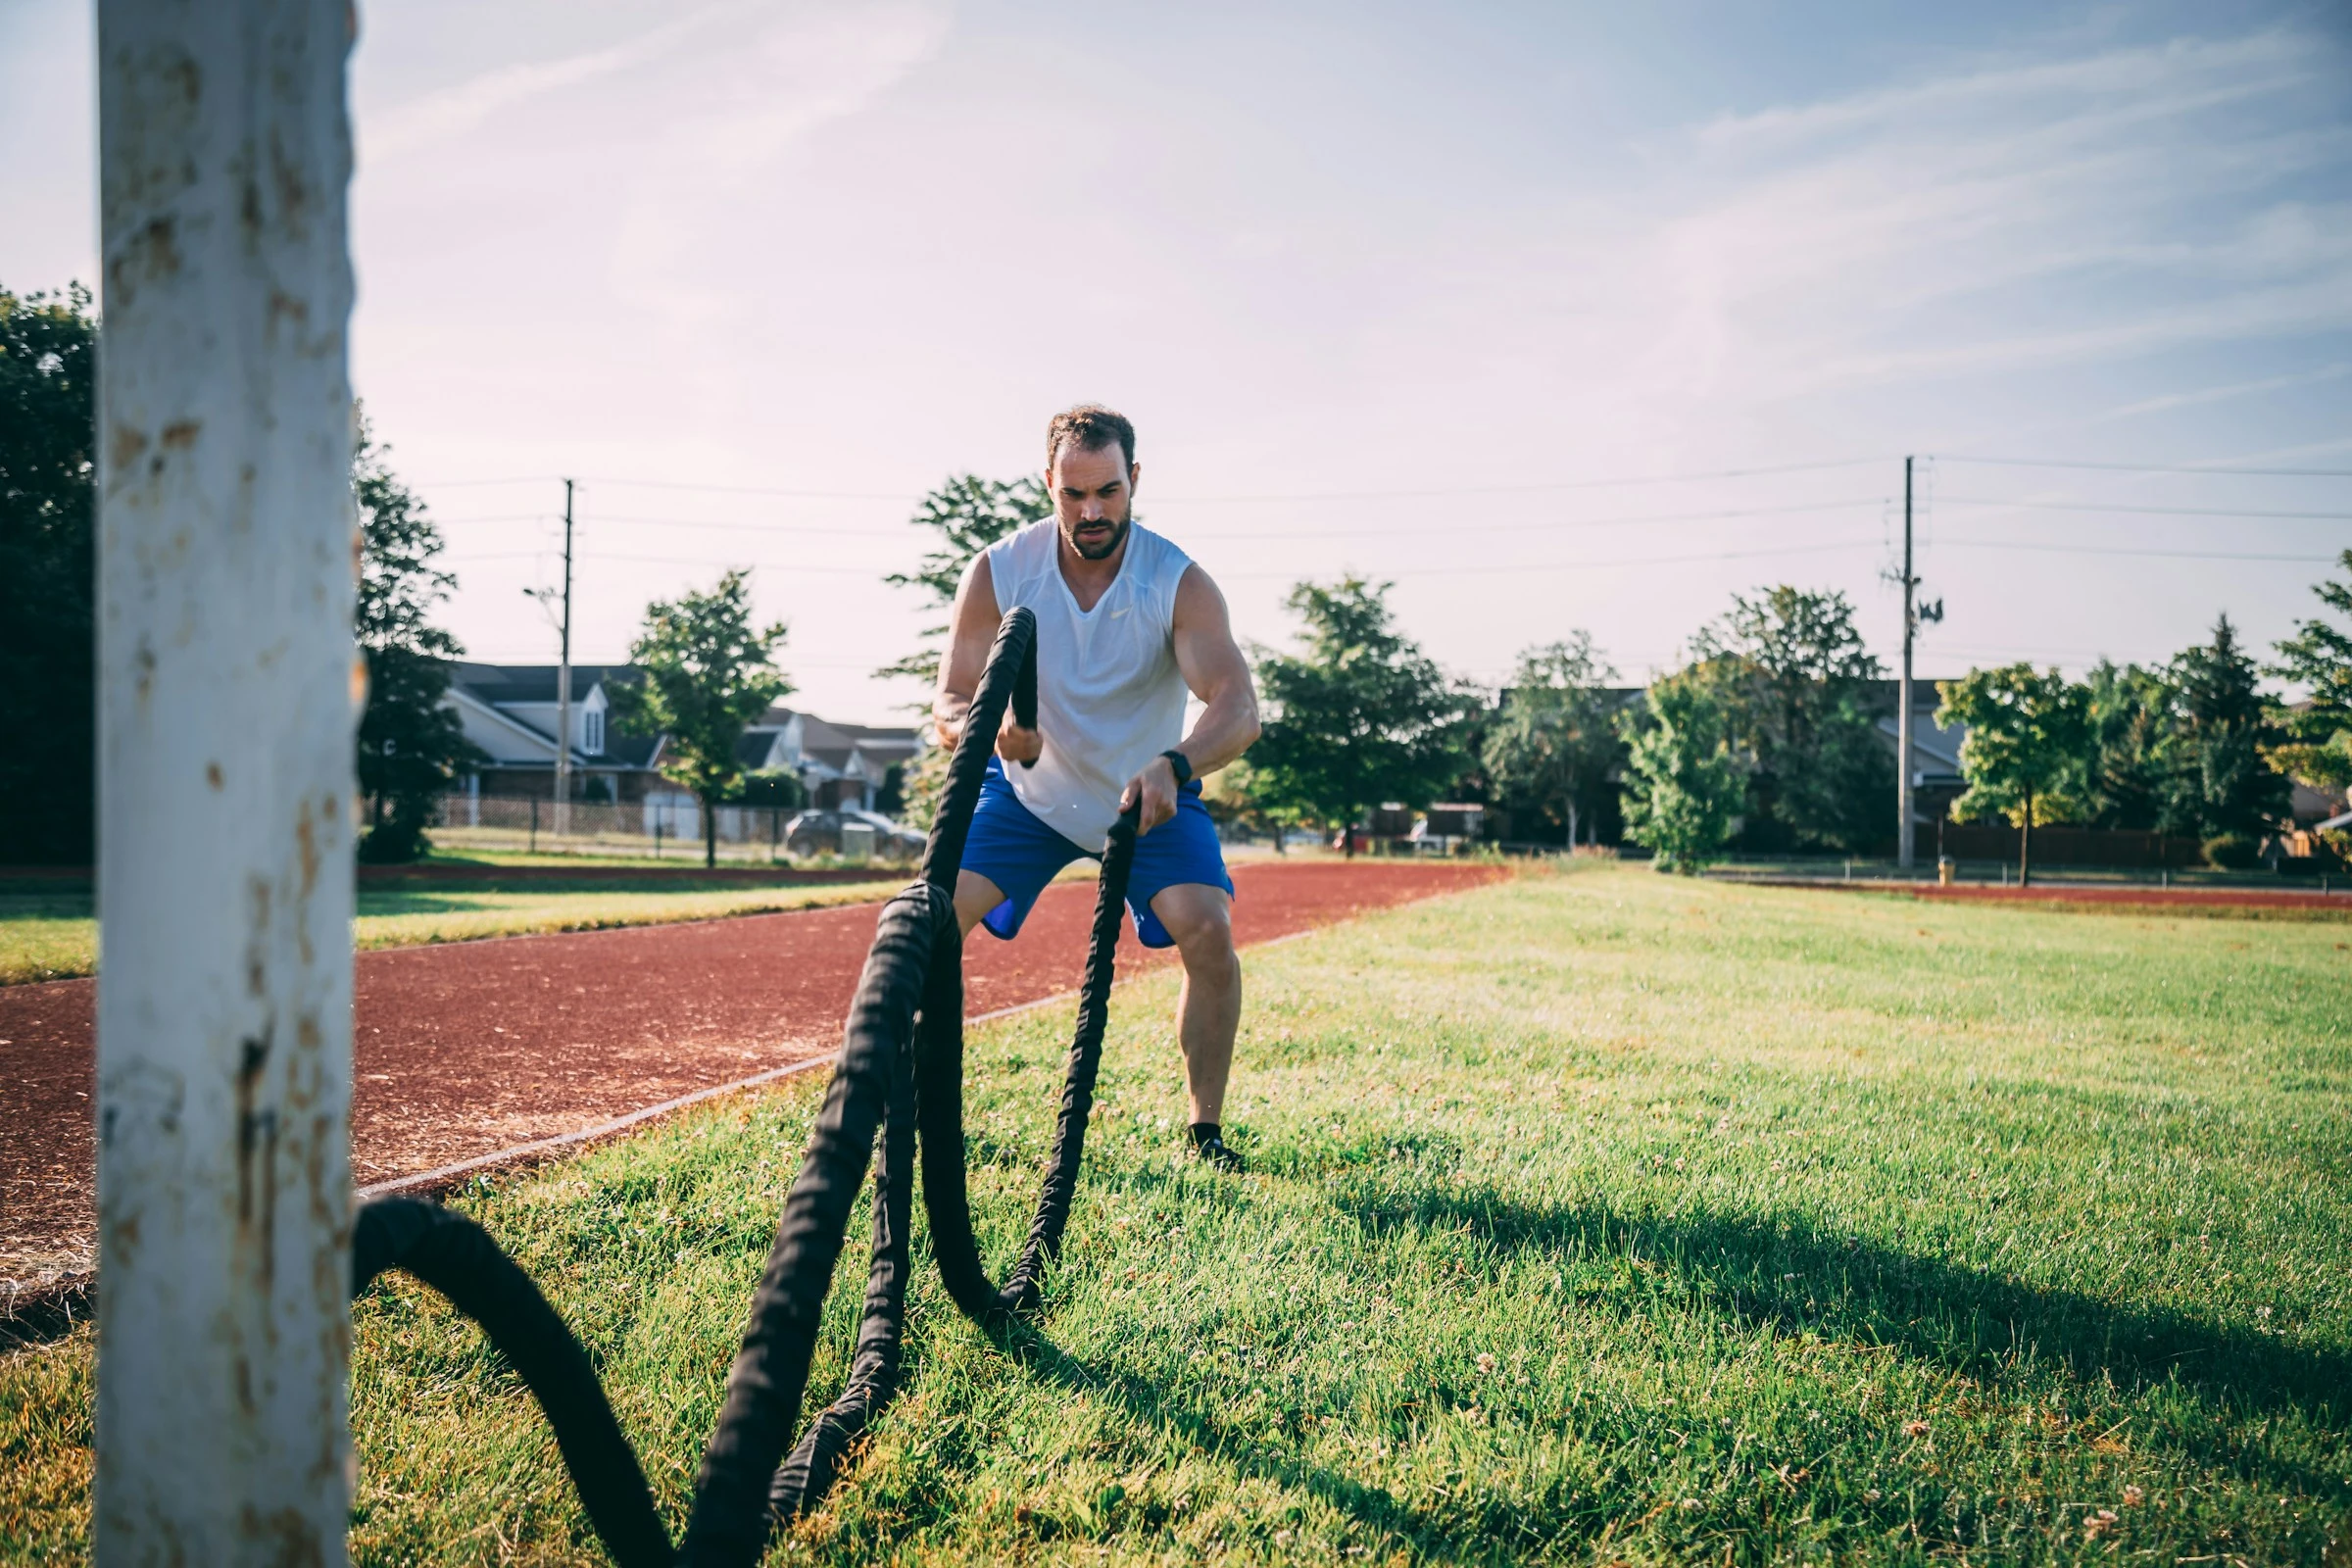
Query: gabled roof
x=1935, y=747
x=534, y=683
x=500, y=688
x=752, y=746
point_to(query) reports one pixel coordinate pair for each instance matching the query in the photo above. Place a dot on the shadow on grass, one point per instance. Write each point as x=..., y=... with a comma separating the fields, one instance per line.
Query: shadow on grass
x=1790, y=1276
x=1497, y=1535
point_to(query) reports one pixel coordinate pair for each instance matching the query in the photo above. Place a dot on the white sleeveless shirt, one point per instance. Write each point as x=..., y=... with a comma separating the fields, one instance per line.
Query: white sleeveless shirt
x=1110, y=697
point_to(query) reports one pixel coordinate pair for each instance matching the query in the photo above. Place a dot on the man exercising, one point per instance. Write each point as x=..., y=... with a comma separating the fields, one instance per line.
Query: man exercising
x=1126, y=624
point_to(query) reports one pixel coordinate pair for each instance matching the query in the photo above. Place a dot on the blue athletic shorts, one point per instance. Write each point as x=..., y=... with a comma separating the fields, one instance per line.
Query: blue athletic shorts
x=1019, y=854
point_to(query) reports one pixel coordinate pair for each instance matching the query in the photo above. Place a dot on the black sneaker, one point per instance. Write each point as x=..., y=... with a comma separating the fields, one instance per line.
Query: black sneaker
x=1220, y=1156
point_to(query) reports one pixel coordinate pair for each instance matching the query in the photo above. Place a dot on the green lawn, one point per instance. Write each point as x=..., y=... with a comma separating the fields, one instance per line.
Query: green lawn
x=52, y=935
x=1597, y=1218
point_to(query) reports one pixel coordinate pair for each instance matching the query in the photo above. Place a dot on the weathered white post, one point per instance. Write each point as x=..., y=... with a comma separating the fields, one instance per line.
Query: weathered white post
x=227, y=690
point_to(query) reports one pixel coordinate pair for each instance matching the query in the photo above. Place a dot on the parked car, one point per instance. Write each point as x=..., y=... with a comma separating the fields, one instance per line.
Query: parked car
x=820, y=833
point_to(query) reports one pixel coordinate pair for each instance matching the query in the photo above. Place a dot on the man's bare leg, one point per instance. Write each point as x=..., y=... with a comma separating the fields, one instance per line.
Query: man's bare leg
x=975, y=896
x=1210, y=1012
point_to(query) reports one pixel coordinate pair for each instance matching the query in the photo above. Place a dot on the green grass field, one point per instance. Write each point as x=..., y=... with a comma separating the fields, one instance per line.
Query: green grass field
x=52, y=935
x=1596, y=1217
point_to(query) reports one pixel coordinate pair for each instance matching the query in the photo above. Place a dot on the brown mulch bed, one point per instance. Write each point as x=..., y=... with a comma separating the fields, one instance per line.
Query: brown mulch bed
x=464, y=1050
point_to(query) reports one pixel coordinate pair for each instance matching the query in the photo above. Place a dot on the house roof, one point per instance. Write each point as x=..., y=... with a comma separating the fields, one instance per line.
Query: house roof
x=837, y=746
x=532, y=683
x=503, y=687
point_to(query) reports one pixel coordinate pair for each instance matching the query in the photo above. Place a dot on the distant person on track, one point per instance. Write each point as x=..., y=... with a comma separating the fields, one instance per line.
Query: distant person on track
x=1126, y=625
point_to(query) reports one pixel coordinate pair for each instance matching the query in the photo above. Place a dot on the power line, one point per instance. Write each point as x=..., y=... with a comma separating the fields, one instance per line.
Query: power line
x=1551, y=526
x=600, y=518
x=754, y=490
x=805, y=569
x=2169, y=512
x=2153, y=467
x=2099, y=549
x=1427, y=492
x=1518, y=489
x=795, y=529
x=1592, y=565
x=1227, y=500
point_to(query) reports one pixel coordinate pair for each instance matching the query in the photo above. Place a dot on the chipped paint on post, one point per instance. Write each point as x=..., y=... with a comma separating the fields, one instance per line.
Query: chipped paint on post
x=226, y=779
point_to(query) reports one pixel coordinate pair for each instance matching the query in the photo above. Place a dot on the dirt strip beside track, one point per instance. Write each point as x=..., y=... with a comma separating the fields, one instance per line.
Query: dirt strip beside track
x=466, y=1048
x=2140, y=895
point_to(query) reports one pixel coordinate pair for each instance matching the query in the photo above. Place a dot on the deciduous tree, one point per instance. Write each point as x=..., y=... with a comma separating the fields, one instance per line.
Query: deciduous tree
x=2028, y=737
x=1361, y=715
x=707, y=673
x=412, y=747
x=48, y=470
x=1555, y=738
x=2316, y=738
x=1797, y=675
x=1236, y=795
x=1684, y=779
x=967, y=514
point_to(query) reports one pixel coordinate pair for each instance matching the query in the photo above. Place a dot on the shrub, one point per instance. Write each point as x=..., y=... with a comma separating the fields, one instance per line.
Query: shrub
x=2232, y=851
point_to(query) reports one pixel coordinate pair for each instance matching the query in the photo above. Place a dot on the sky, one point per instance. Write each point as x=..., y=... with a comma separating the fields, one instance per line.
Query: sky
x=1557, y=316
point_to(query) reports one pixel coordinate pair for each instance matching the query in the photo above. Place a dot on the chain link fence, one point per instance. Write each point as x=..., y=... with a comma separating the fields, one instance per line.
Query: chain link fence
x=660, y=827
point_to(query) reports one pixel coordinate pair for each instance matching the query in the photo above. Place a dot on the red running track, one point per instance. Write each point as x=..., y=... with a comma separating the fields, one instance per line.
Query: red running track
x=466, y=1048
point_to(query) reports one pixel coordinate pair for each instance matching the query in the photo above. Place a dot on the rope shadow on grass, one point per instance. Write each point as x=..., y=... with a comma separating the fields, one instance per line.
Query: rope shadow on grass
x=1373, y=1507
x=1844, y=1286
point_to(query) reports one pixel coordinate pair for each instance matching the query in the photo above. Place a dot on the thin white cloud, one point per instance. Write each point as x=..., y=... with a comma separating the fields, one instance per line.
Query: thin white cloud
x=1894, y=235
x=2219, y=393
x=453, y=112
x=2130, y=74
x=703, y=171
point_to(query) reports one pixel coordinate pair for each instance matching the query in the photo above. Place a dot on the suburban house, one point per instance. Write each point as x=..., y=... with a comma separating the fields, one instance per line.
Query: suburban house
x=508, y=712
x=1935, y=777
x=840, y=765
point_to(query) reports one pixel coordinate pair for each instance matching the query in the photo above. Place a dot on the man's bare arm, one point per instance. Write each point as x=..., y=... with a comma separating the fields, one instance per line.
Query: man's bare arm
x=971, y=633
x=1213, y=667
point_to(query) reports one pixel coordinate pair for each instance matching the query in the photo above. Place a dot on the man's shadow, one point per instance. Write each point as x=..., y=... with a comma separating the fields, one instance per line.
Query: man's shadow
x=1788, y=1278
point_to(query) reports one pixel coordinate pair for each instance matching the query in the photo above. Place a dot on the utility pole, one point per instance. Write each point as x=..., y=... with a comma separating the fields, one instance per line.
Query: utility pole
x=1903, y=836
x=1913, y=614
x=564, y=686
x=227, y=689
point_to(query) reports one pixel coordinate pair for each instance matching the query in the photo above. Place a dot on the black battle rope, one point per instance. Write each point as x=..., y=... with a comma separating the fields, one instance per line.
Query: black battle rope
x=939, y=1107
x=456, y=1257
x=901, y=1072
x=923, y=1087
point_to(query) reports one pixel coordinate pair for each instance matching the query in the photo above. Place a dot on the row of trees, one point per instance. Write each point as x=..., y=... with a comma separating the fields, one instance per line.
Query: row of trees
x=1766, y=734
x=1769, y=730
x=1360, y=715
x=1771, y=720
x=2191, y=747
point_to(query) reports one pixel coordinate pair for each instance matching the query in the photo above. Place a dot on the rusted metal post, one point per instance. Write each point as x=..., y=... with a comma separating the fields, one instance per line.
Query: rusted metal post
x=228, y=686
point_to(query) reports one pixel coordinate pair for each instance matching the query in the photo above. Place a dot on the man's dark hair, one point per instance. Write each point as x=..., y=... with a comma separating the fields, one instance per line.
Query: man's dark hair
x=1090, y=428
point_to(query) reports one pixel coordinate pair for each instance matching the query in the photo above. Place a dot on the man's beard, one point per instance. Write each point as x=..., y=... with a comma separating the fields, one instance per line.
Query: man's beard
x=1104, y=551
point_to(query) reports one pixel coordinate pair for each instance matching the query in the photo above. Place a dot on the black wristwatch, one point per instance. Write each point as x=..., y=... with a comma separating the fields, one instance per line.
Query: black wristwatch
x=1181, y=764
